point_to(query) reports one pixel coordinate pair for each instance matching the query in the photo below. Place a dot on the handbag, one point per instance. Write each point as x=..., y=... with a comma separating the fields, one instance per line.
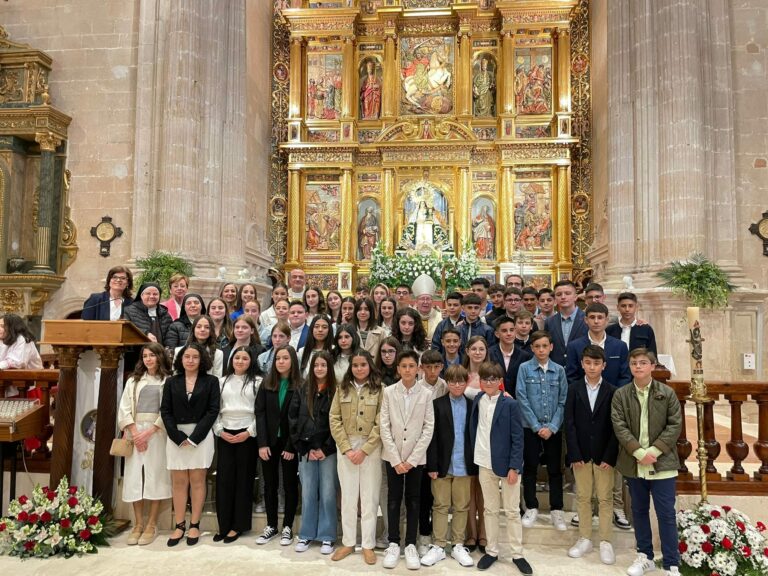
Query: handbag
x=123, y=446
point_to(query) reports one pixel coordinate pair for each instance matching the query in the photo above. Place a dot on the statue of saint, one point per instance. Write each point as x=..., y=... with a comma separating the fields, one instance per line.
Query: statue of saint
x=367, y=233
x=484, y=91
x=370, y=93
x=424, y=230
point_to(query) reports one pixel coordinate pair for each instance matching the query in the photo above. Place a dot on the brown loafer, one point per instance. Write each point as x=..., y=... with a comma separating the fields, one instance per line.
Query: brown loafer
x=342, y=552
x=133, y=537
x=369, y=556
x=148, y=536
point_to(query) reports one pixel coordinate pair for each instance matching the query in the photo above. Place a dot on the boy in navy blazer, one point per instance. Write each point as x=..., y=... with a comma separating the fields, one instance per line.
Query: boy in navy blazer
x=506, y=354
x=567, y=324
x=633, y=332
x=496, y=433
x=592, y=449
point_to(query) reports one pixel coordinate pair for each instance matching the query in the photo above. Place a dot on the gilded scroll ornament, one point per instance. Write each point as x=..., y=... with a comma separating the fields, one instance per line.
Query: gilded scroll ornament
x=11, y=301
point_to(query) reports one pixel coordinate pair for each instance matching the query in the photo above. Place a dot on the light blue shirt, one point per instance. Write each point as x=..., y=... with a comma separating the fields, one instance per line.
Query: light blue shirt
x=459, y=410
x=592, y=392
x=566, y=324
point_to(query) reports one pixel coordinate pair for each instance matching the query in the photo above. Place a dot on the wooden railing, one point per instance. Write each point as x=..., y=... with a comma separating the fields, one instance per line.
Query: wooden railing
x=735, y=481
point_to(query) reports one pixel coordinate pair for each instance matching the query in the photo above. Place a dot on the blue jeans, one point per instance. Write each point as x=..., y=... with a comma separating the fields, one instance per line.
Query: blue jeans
x=318, y=499
x=663, y=491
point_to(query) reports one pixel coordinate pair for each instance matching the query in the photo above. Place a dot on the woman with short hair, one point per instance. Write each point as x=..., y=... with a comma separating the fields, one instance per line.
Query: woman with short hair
x=110, y=304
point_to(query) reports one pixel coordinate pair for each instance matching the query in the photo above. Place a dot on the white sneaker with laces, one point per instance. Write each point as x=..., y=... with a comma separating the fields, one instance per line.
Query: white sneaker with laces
x=558, y=520
x=461, y=555
x=529, y=518
x=575, y=520
x=286, y=536
x=392, y=556
x=607, y=555
x=434, y=555
x=582, y=546
x=673, y=571
x=641, y=565
x=327, y=547
x=620, y=519
x=302, y=545
x=424, y=543
x=412, y=561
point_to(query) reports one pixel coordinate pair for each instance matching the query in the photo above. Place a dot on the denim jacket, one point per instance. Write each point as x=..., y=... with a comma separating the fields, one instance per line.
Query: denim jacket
x=542, y=395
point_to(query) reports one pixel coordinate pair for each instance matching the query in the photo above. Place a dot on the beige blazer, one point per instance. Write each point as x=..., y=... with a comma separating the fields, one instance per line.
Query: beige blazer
x=374, y=339
x=406, y=436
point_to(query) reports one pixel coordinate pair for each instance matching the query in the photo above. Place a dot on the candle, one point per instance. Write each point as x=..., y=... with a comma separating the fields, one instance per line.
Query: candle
x=693, y=316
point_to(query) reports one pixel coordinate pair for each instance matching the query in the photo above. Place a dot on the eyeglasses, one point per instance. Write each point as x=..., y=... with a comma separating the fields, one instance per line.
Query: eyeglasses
x=513, y=300
x=640, y=363
x=457, y=383
x=489, y=381
x=388, y=352
x=120, y=278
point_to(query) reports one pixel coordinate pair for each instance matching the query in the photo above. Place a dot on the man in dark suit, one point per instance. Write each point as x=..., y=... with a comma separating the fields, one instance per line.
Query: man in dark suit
x=567, y=324
x=631, y=331
x=450, y=466
x=617, y=356
x=506, y=354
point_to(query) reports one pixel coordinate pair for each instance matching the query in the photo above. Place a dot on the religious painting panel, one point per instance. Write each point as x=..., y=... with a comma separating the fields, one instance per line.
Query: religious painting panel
x=484, y=70
x=324, y=86
x=368, y=227
x=322, y=210
x=370, y=81
x=426, y=218
x=322, y=135
x=533, y=131
x=484, y=227
x=533, y=215
x=367, y=136
x=484, y=132
x=426, y=73
x=533, y=80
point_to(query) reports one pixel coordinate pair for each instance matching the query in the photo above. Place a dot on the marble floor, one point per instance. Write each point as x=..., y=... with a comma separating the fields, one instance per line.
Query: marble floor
x=246, y=558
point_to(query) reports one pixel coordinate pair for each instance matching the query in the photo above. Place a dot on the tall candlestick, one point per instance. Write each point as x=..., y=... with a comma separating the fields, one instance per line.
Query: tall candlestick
x=698, y=393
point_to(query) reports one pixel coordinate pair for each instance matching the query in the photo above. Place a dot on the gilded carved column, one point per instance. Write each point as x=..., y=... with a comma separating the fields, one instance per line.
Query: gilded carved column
x=563, y=235
x=347, y=217
x=294, y=216
x=506, y=220
x=348, y=73
x=294, y=92
x=508, y=66
x=388, y=229
x=464, y=76
x=388, y=97
x=463, y=215
x=562, y=39
x=47, y=236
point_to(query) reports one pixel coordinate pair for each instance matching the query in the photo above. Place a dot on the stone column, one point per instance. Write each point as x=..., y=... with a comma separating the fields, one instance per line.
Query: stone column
x=294, y=220
x=47, y=236
x=387, y=210
x=389, y=95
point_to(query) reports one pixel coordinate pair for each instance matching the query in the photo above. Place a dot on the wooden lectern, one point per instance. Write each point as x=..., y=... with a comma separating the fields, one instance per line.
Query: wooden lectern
x=69, y=339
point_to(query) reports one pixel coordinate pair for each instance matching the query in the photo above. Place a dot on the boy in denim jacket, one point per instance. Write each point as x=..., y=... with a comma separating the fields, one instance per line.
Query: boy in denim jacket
x=542, y=389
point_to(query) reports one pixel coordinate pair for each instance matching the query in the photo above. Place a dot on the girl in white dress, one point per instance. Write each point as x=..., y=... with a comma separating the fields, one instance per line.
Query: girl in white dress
x=146, y=475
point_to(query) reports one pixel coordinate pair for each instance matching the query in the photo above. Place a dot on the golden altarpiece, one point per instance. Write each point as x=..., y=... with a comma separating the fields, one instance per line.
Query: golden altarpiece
x=38, y=240
x=431, y=122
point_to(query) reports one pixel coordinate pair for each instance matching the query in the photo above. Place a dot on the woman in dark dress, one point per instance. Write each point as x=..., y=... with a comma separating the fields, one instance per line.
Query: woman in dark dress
x=148, y=315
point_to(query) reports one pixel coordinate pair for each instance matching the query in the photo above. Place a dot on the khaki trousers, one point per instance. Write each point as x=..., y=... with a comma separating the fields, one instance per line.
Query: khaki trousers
x=509, y=495
x=446, y=491
x=588, y=476
x=359, y=483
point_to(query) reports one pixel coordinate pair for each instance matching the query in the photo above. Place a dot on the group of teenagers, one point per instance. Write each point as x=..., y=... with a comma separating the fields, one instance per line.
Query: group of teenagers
x=425, y=413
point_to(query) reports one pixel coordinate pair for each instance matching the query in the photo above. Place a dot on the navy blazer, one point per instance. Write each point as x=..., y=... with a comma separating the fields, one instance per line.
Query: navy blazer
x=97, y=306
x=589, y=434
x=506, y=434
x=639, y=336
x=440, y=451
x=555, y=329
x=510, y=374
x=616, y=357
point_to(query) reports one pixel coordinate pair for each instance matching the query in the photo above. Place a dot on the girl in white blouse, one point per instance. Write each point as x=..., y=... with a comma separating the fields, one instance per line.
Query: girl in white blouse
x=17, y=345
x=236, y=431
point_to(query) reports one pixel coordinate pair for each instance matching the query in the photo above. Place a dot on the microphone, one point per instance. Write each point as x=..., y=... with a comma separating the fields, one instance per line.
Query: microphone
x=100, y=303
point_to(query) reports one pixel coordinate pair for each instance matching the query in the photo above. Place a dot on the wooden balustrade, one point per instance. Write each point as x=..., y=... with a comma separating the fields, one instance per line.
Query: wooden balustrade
x=736, y=480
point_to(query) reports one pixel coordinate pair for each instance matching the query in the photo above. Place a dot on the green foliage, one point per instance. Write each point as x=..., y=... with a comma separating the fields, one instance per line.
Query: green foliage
x=699, y=280
x=159, y=266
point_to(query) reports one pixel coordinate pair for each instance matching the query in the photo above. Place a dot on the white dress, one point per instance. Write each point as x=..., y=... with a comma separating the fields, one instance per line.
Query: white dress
x=146, y=476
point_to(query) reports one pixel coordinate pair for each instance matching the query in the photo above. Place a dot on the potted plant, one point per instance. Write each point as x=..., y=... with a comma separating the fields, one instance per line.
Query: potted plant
x=699, y=280
x=159, y=266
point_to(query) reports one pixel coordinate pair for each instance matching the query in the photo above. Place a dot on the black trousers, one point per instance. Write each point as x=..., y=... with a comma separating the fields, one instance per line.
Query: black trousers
x=235, y=471
x=399, y=485
x=533, y=446
x=425, y=505
x=271, y=470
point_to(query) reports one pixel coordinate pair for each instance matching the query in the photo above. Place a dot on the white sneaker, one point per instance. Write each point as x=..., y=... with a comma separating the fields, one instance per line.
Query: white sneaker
x=620, y=519
x=461, y=555
x=433, y=556
x=286, y=536
x=558, y=520
x=412, y=561
x=424, y=544
x=582, y=546
x=392, y=556
x=327, y=547
x=606, y=553
x=302, y=545
x=641, y=565
x=673, y=571
x=529, y=518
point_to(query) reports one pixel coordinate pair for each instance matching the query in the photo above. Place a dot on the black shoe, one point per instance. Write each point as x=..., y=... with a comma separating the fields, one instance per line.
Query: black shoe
x=522, y=565
x=481, y=548
x=218, y=537
x=174, y=541
x=470, y=547
x=230, y=539
x=486, y=562
x=190, y=540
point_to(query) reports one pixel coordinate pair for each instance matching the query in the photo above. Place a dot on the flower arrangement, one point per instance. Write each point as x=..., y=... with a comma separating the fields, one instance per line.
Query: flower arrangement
x=720, y=541
x=65, y=521
x=404, y=269
x=700, y=280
